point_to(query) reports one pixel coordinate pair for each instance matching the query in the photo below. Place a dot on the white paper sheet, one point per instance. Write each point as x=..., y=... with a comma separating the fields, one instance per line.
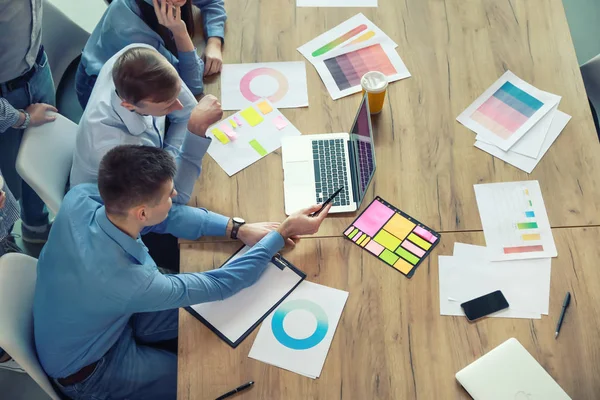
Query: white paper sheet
x=336, y=3
x=283, y=83
x=519, y=123
x=236, y=314
x=531, y=144
x=515, y=222
x=356, y=28
x=524, y=163
x=298, y=334
x=238, y=154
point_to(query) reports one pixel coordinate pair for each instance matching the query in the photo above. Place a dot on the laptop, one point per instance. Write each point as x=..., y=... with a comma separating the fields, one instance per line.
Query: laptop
x=315, y=166
x=509, y=372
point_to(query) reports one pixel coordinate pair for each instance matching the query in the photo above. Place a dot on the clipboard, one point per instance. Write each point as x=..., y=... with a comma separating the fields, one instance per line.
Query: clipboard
x=279, y=285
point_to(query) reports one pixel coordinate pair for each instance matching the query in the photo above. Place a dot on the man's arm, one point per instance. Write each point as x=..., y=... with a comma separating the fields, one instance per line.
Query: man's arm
x=213, y=17
x=191, y=223
x=163, y=292
x=9, y=116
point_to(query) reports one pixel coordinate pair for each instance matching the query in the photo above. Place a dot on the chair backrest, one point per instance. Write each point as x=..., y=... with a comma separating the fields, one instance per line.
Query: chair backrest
x=17, y=287
x=45, y=158
x=590, y=71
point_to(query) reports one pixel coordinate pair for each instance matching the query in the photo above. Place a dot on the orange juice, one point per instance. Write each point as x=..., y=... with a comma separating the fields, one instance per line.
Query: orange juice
x=375, y=84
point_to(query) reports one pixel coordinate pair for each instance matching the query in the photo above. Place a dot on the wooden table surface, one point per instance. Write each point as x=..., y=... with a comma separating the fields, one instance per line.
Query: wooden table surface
x=427, y=165
x=392, y=342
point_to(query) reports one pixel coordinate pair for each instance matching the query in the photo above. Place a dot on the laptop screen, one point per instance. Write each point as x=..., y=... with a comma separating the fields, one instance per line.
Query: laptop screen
x=362, y=151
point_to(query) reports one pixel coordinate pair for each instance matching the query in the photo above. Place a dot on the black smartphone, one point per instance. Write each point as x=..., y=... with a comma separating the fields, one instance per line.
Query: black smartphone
x=484, y=305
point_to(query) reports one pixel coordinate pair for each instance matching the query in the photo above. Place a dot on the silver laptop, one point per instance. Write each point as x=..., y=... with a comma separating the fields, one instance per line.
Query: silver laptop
x=509, y=372
x=315, y=166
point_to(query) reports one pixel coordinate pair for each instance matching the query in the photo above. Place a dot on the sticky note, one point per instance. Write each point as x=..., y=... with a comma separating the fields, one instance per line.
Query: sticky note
x=237, y=120
x=233, y=124
x=264, y=107
x=388, y=257
x=220, y=135
x=256, y=146
x=419, y=242
x=252, y=116
x=280, y=122
x=353, y=233
x=408, y=256
x=228, y=131
x=403, y=266
x=364, y=243
x=399, y=226
x=387, y=240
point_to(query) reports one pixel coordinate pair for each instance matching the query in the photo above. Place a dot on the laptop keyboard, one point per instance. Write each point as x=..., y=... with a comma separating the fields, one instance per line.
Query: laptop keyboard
x=330, y=170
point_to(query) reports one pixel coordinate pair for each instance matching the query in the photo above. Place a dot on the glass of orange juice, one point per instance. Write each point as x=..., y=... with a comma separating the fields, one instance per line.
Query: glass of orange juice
x=375, y=84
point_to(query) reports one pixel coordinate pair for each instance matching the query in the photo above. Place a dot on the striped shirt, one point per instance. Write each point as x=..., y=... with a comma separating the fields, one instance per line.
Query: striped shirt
x=9, y=214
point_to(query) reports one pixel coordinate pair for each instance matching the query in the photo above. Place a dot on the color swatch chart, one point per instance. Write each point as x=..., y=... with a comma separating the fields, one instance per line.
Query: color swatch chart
x=506, y=110
x=527, y=229
x=392, y=236
x=247, y=136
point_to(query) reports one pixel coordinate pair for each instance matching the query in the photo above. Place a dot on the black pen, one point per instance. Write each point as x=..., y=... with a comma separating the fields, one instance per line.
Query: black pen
x=236, y=390
x=329, y=200
x=562, y=314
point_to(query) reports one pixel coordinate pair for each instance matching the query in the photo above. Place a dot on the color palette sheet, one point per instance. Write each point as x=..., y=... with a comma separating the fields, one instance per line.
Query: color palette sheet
x=298, y=334
x=245, y=137
x=506, y=111
x=282, y=83
x=514, y=220
x=336, y=3
x=394, y=237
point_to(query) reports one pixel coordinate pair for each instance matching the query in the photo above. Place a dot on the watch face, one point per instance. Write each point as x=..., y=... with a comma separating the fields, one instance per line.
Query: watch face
x=238, y=220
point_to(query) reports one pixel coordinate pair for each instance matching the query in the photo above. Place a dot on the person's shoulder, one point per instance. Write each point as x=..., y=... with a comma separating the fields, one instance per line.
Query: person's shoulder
x=85, y=194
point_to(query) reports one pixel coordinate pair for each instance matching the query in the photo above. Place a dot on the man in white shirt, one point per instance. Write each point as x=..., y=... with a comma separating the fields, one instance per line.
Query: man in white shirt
x=136, y=89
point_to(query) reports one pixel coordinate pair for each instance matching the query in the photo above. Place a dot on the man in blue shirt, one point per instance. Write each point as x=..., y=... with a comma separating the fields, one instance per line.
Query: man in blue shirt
x=101, y=306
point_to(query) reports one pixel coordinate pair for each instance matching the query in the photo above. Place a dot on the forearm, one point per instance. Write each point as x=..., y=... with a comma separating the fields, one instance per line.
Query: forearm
x=183, y=41
x=189, y=165
x=213, y=17
x=10, y=117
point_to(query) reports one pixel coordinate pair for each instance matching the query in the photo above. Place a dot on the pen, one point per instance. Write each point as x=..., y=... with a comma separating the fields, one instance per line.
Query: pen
x=236, y=390
x=562, y=314
x=329, y=200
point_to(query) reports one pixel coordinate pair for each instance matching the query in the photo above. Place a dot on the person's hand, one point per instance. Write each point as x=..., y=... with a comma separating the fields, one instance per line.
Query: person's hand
x=169, y=16
x=2, y=198
x=213, y=56
x=301, y=223
x=250, y=234
x=38, y=114
x=207, y=112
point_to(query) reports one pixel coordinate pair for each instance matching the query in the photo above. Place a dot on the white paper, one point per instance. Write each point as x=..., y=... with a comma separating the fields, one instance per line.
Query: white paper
x=283, y=83
x=347, y=32
x=336, y=3
x=236, y=314
x=504, y=209
x=236, y=155
x=531, y=144
x=524, y=283
x=548, y=101
x=524, y=163
x=298, y=326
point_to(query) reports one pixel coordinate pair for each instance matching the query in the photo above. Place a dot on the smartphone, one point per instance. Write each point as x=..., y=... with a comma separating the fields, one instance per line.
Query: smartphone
x=484, y=305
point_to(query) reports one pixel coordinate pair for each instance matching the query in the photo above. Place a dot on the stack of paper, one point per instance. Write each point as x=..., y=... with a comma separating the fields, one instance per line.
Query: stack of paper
x=515, y=121
x=345, y=53
x=298, y=334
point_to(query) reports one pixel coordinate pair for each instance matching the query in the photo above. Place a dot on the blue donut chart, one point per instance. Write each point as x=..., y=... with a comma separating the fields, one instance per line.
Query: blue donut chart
x=300, y=344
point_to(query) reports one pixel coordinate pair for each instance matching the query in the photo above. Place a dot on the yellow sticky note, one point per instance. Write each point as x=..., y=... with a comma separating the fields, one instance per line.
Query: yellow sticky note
x=252, y=116
x=387, y=240
x=264, y=107
x=233, y=124
x=220, y=135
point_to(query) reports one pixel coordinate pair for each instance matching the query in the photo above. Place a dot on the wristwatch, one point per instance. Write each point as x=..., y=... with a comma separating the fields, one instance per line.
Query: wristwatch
x=237, y=223
x=25, y=123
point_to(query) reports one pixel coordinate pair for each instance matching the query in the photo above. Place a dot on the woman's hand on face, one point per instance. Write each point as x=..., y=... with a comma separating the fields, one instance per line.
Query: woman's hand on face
x=169, y=16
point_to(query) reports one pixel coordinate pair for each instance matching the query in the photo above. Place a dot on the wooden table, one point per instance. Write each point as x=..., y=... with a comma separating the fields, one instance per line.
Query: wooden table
x=392, y=342
x=427, y=165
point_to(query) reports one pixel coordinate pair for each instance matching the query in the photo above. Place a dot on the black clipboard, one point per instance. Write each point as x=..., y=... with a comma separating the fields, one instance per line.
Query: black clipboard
x=280, y=263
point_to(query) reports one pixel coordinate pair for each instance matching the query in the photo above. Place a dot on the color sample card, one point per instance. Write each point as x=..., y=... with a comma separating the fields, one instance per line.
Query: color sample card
x=514, y=220
x=506, y=111
x=392, y=236
x=282, y=83
x=245, y=137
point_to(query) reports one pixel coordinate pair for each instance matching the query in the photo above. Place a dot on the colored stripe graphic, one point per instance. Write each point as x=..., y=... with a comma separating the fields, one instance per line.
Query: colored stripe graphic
x=529, y=214
x=333, y=44
x=522, y=96
x=527, y=225
x=530, y=203
x=531, y=236
x=523, y=249
x=362, y=38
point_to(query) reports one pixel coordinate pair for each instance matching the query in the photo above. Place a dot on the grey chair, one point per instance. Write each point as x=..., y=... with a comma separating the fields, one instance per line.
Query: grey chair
x=590, y=71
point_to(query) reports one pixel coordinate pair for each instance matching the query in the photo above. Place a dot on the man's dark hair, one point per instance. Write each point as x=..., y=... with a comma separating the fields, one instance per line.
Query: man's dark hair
x=133, y=175
x=141, y=73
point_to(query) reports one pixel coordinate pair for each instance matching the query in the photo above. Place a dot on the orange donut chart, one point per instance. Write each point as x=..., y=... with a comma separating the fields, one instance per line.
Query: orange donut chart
x=281, y=80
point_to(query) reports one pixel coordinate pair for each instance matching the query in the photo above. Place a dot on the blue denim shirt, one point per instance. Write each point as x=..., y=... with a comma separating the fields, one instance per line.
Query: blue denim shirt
x=92, y=277
x=122, y=25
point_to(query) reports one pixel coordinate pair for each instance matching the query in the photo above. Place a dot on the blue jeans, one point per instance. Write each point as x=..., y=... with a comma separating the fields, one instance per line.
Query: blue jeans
x=135, y=367
x=84, y=85
x=39, y=89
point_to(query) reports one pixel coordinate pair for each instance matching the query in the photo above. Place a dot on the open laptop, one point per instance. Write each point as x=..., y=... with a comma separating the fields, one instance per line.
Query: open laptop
x=509, y=372
x=315, y=166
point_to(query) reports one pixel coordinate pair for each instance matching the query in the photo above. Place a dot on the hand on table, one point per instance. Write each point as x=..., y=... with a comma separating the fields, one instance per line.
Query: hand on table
x=213, y=56
x=207, y=112
x=301, y=223
x=250, y=234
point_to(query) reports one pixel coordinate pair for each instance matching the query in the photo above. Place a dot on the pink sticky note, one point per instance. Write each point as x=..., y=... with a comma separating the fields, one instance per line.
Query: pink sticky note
x=237, y=120
x=425, y=234
x=280, y=122
x=228, y=131
x=373, y=218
